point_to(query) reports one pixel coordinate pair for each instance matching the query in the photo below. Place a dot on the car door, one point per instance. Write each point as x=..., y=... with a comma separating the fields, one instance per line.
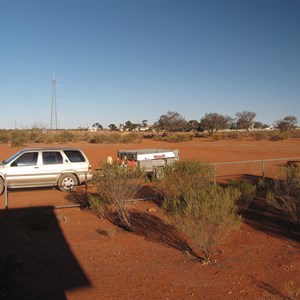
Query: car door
x=52, y=165
x=24, y=170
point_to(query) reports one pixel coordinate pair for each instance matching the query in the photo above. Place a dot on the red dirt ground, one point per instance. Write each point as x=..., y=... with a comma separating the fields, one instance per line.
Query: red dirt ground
x=69, y=253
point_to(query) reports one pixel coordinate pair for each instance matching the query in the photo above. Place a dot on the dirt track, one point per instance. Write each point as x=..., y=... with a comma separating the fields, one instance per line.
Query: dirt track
x=71, y=254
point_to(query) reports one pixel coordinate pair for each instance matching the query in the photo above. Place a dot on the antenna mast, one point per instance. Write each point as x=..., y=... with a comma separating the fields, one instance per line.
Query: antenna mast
x=53, y=122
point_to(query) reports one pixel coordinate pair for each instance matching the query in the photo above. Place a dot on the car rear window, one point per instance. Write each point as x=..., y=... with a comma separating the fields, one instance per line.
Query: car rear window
x=50, y=158
x=74, y=156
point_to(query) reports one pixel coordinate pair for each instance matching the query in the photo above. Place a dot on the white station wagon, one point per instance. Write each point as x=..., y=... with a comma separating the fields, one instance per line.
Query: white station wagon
x=64, y=168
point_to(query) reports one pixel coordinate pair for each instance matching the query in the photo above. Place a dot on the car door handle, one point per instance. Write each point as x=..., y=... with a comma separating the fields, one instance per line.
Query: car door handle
x=36, y=167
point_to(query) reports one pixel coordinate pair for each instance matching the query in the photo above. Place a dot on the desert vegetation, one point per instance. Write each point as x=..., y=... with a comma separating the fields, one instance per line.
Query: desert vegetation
x=201, y=210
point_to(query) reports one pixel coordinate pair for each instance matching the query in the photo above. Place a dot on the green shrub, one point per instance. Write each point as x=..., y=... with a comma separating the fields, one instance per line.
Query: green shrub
x=208, y=216
x=248, y=192
x=184, y=175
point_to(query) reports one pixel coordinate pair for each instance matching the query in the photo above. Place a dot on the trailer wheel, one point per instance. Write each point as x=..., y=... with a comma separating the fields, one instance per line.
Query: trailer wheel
x=159, y=173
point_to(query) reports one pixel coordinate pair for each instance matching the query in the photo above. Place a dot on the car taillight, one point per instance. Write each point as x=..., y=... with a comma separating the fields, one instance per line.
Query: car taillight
x=90, y=167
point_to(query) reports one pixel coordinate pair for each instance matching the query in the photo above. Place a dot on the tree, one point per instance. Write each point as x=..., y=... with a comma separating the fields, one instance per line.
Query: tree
x=193, y=125
x=130, y=126
x=287, y=123
x=145, y=123
x=245, y=120
x=172, y=122
x=112, y=127
x=212, y=122
x=98, y=126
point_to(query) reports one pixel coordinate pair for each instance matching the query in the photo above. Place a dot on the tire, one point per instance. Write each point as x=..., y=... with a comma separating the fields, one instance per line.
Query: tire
x=67, y=182
x=1, y=186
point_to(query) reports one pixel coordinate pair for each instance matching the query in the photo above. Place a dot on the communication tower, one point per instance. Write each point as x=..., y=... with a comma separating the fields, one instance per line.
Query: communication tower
x=53, y=122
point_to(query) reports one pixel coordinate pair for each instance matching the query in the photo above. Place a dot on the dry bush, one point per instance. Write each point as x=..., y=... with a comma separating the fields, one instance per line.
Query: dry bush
x=117, y=185
x=207, y=216
x=285, y=192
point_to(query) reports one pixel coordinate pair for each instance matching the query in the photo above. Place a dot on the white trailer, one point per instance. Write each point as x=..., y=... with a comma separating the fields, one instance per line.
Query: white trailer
x=152, y=160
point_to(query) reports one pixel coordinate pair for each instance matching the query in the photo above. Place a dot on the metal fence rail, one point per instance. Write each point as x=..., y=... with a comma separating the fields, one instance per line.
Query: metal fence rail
x=260, y=168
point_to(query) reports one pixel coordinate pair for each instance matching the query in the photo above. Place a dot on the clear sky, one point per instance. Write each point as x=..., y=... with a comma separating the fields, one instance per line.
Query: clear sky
x=120, y=60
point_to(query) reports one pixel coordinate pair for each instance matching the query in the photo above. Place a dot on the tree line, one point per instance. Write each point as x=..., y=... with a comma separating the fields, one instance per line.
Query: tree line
x=210, y=122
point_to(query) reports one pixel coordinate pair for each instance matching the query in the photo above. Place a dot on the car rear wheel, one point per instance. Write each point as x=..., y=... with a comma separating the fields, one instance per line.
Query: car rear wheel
x=1, y=186
x=67, y=182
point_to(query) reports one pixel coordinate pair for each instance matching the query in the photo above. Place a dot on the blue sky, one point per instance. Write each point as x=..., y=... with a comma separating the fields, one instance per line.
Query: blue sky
x=116, y=61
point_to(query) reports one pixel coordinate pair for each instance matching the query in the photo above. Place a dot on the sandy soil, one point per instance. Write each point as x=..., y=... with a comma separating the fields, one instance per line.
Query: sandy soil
x=69, y=253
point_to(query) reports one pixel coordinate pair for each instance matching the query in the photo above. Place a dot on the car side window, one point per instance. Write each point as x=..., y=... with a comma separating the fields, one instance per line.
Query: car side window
x=50, y=158
x=26, y=159
x=74, y=156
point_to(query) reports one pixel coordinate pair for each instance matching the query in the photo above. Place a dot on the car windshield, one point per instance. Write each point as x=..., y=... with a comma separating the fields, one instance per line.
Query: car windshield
x=9, y=160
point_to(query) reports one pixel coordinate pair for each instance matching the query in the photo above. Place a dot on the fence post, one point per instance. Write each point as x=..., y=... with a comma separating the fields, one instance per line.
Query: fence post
x=5, y=192
x=263, y=168
x=85, y=174
x=215, y=174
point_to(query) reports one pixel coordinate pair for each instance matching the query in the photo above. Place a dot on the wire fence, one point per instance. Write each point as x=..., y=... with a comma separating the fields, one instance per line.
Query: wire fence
x=224, y=171
x=252, y=168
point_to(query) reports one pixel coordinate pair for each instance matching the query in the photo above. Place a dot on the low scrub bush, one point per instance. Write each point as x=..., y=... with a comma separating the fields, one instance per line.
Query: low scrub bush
x=207, y=215
x=19, y=138
x=175, y=137
x=182, y=176
x=65, y=137
x=248, y=192
x=117, y=185
x=279, y=136
x=4, y=137
x=115, y=138
x=261, y=135
x=285, y=192
x=235, y=135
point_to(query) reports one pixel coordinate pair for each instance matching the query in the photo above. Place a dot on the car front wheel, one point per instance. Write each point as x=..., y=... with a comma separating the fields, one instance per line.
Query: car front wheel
x=67, y=182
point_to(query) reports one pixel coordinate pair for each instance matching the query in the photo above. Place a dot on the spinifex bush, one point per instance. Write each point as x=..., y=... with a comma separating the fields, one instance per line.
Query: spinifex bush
x=248, y=192
x=208, y=216
x=117, y=185
x=181, y=177
x=285, y=193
